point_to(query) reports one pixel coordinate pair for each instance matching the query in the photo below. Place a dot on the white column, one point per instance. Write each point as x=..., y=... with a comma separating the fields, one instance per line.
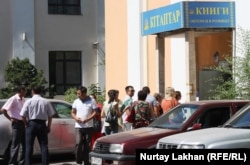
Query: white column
x=135, y=65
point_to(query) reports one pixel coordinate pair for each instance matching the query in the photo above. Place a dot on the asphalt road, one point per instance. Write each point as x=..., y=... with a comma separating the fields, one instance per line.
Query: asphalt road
x=60, y=159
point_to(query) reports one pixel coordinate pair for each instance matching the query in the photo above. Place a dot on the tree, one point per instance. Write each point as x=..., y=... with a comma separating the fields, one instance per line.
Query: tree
x=237, y=83
x=22, y=72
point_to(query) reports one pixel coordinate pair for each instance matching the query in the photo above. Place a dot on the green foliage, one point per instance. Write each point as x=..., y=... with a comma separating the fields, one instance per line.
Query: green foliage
x=96, y=90
x=70, y=94
x=237, y=86
x=22, y=72
x=6, y=92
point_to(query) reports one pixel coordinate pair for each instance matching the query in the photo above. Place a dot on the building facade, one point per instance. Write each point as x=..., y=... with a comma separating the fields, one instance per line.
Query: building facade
x=65, y=39
x=159, y=61
x=81, y=42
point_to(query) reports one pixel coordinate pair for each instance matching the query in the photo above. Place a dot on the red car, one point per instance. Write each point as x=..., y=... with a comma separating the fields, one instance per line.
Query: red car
x=121, y=148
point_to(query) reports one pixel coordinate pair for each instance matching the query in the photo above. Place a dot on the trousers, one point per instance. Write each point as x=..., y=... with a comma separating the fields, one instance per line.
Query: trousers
x=36, y=129
x=83, y=145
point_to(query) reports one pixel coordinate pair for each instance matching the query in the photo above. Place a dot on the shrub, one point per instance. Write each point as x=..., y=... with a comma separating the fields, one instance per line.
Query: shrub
x=22, y=72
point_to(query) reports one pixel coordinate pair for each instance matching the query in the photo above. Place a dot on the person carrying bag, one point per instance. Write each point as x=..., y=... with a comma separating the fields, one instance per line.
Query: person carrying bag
x=111, y=113
x=111, y=116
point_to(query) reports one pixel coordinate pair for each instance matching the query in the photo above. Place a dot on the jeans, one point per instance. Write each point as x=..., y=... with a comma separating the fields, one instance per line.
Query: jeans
x=111, y=129
x=83, y=145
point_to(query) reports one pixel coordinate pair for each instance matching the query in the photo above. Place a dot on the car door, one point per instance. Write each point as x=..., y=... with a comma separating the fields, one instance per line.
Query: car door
x=67, y=126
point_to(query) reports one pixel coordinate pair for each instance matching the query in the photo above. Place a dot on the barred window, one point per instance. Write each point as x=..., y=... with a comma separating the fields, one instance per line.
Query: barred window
x=66, y=7
x=64, y=70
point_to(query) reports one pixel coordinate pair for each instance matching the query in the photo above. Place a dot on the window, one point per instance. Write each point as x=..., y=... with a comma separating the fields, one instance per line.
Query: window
x=67, y=7
x=215, y=117
x=62, y=110
x=175, y=118
x=64, y=70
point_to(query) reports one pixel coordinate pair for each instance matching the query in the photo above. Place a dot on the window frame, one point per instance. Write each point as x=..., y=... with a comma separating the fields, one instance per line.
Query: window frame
x=61, y=87
x=64, y=7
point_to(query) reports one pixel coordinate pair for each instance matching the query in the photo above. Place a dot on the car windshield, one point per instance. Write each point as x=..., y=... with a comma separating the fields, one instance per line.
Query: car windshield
x=242, y=120
x=175, y=118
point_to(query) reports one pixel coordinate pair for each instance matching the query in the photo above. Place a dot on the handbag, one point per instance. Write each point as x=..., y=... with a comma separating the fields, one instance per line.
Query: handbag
x=131, y=117
x=111, y=117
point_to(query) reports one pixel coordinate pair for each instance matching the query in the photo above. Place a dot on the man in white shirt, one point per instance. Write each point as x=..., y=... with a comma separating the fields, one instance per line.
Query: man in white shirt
x=127, y=101
x=83, y=111
x=35, y=112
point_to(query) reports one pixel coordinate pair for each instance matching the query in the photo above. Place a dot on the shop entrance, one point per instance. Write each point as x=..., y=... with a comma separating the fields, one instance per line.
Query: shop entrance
x=206, y=29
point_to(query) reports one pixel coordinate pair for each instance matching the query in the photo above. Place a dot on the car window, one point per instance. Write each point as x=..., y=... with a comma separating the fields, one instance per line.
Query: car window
x=62, y=110
x=241, y=108
x=175, y=118
x=243, y=120
x=214, y=117
x=238, y=107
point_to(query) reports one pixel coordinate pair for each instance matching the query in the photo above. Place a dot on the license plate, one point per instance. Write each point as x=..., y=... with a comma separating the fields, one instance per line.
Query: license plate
x=96, y=161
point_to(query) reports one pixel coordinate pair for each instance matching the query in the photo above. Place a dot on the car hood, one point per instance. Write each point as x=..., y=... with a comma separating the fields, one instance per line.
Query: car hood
x=137, y=135
x=208, y=136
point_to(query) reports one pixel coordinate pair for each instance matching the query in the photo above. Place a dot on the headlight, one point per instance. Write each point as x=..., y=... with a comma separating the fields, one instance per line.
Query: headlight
x=186, y=146
x=116, y=148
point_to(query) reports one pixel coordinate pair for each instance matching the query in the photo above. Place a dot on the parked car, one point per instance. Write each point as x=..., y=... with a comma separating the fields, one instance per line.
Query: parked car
x=61, y=136
x=234, y=134
x=121, y=147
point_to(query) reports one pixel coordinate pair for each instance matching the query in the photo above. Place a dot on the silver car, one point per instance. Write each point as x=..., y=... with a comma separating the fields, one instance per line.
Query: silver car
x=234, y=134
x=61, y=136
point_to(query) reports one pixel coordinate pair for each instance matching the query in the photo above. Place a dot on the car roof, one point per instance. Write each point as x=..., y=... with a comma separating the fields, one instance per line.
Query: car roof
x=201, y=102
x=51, y=100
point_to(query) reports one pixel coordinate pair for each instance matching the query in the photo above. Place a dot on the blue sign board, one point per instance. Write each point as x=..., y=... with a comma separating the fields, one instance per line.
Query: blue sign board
x=189, y=15
x=163, y=19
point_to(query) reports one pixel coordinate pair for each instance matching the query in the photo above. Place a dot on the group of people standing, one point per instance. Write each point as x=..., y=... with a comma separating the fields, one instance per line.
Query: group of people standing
x=29, y=120
x=33, y=118
x=144, y=109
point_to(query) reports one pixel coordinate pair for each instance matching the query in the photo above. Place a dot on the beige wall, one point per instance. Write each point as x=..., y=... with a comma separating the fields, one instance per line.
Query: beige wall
x=116, y=44
x=152, y=80
x=116, y=39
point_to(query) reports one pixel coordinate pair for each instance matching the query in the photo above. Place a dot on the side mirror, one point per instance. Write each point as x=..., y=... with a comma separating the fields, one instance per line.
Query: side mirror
x=195, y=126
